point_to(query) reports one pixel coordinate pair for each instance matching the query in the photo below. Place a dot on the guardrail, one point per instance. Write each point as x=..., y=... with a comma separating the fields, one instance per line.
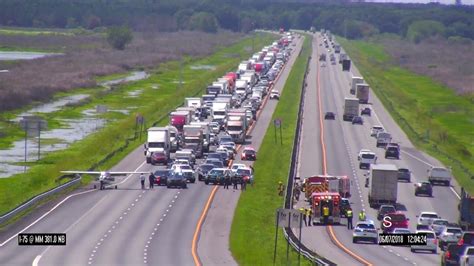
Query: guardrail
x=9, y=215
x=289, y=234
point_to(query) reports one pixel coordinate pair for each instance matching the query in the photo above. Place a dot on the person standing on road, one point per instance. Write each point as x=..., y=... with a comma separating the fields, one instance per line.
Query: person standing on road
x=151, y=179
x=362, y=215
x=142, y=180
x=226, y=182
x=309, y=214
x=243, y=185
x=326, y=214
x=234, y=181
x=303, y=211
x=349, y=215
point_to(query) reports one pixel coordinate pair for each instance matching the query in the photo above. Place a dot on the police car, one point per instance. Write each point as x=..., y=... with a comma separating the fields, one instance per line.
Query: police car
x=365, y=231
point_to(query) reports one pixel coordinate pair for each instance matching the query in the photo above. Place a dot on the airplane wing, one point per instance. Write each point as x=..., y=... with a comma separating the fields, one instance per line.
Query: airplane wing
x=82, y=172
x=128, y=173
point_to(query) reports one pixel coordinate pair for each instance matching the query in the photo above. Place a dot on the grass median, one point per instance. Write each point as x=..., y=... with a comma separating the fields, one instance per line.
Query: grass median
x=153, y=104
x=253, y=228
x=435, y=119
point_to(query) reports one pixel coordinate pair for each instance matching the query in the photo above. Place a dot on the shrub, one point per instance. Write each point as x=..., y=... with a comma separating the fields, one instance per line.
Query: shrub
x=119, y=37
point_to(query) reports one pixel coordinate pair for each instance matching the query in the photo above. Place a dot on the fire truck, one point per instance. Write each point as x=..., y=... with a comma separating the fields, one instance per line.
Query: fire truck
x=330, y=199
x=324, y=183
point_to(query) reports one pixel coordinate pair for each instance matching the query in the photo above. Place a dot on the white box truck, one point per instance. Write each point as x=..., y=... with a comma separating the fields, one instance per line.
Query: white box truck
x=383, y=185
x=383, y=139
x=193, y=102
x=351, y=108
x=362, y=92
x=354, y=82
x=157, y=146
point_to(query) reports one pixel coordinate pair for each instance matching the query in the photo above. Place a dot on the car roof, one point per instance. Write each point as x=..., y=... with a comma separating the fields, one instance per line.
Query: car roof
x=428, y=213
x=220, y=169
x=366, y=222
x=249, y=148
x=377, y=126
x=425, y=231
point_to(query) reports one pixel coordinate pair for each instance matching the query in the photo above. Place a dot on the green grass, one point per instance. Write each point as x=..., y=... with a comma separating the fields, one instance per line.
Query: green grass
x=253, y=228
x=32, y=31
x=152, y=104
x=435, y=119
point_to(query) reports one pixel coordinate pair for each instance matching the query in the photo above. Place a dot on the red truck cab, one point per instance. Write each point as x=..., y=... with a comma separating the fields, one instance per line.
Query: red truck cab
x=178, y=121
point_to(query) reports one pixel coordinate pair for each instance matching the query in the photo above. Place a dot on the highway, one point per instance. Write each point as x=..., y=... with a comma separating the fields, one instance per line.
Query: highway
x=342, y=142
x=126, y=226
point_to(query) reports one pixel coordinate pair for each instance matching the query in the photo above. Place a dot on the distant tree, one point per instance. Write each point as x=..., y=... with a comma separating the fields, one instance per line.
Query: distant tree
x=92, y=22
x=71, y=23
x=423, y=29
x=203, y=21
x=355, y=29
x=119, y=37
x=182, y=18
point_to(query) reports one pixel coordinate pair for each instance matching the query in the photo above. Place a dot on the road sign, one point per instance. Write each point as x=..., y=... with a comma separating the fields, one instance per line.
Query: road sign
x=100, y=109
x=33, y=125
x=289, y=218
x=277, y=122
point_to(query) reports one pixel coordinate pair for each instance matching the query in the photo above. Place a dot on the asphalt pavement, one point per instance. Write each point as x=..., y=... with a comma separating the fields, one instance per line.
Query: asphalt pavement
x=213, y=245
x=343, y=142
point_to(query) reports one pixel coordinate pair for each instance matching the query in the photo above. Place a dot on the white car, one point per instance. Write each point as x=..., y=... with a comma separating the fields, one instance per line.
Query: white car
x=236, y=166
x=467, y=257
x=365, y=231
x=216, y=128
x=375, y=130
x=431, y=242
x=274, y=94
x=449, y=235
x=426, y=218
x=437, y=225
x=366, y=158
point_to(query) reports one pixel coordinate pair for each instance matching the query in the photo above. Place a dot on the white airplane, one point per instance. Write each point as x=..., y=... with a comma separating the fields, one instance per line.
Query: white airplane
x=106, y=178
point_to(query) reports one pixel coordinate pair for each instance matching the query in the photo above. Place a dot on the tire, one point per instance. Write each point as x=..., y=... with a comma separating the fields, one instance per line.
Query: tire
x=412, y=250
x=206, y=182
x=168, y=186
x=148, y=160
x=447, y=183
x=193, y=181
x=354, y=240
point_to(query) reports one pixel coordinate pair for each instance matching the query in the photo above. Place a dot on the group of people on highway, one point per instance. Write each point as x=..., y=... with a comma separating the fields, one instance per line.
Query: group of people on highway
x=236, y=180
x=151, y=179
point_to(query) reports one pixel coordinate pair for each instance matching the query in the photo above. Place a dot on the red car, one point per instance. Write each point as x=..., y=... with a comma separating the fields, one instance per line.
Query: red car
x=159, y=158
x=249, y=153
x=393, y=220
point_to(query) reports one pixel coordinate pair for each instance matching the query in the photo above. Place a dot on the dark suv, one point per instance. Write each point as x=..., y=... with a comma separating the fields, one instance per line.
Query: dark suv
x=392, y=151
x=176, y=180
x=365, y=111
x=424, y=188
x=451, y=255
x=161, y=176
x=404, y=174
x=329, y=116
x=203, y=169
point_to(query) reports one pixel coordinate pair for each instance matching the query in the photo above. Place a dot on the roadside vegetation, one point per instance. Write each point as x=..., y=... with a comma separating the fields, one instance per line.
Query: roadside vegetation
x=434, y=117
x=87, y=56
x=253, y=227
x=160, y=94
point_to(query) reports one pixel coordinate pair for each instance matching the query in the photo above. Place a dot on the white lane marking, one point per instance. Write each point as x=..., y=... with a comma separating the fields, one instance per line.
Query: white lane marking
x=36, y=260
x=59, y=204
x=44, y=215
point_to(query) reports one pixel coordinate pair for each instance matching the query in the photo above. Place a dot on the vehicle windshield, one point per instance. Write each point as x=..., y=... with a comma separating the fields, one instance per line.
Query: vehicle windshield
x=397, y=217
x=216, y=172
x=368, y=156
x=366, y=226
x=454, y=231
x=243, y=172
x=192, y=141
x=206, y=167
x=225, y=139
x=219, y=112
x=176, y=176
x=214, y=156
x=161, y=173
x=156, y=144
x=429, y=215
x=249, y=152
x=387, y=209
x=440, y=222
x=403, y=170
x=234, y=128
x=185, y=167
x=402, y=231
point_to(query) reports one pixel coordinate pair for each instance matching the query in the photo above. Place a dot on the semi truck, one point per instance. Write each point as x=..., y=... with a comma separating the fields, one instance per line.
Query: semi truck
x=157, y=146
x=337, y=48
x=236, y=125
x=179, y=119
x=206, y=132
x=354, y=82
x=174, y=143
x=241, y=87
x=466, y=211
x=351, y=108
x=208, y=99
x=383, y=185
x=346, y=65
x=213, y=89
x=362, y=92
x=193, y=102
x=219, y=111
x=193, y=139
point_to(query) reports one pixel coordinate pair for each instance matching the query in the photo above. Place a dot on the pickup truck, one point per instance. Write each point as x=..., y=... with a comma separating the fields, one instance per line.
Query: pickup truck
x=439, y=175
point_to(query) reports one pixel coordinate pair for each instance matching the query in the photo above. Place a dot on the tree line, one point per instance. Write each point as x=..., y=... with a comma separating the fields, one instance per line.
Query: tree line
x=353, y=20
